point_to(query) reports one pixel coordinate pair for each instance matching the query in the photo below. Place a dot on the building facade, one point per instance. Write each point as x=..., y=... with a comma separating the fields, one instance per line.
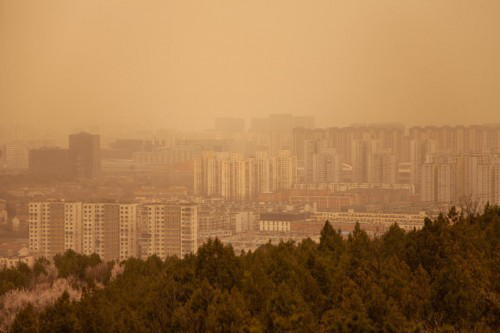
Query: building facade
x=114, y=231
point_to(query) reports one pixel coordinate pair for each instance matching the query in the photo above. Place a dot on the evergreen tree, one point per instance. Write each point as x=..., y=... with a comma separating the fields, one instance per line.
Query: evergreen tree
x=26, y=321
x=60, y=317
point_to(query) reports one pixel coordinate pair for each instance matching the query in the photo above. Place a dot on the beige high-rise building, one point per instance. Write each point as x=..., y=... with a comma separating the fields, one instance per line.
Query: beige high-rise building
x=129, y=220
x=446, y=179
x=54, y=227
x=221, y=174
x=325, y=167
x=206, y=174
x=384, y=169
x=73, y=231
x=420, y=152
x=109, y=230
x=171, y=230
x=259, y=174
x=46, y=228
x=101, y=230
x=233, y=177
x=487, y=185
x=284, y=170
x=321, y=163
x=439, y=182
x=465, y=179
x=483, y=183
x=93, y=229
x=460, y=139
x=428, y=183
x=361, y=158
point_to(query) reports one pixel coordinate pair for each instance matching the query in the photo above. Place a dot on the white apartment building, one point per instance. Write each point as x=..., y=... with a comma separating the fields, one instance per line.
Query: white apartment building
x=428, y=189
x=361, y=159
x=39, y=229
x=284, y=170
x=110, y=230
x=114, y=231
x=384, y=168
x=259, y=174
x=129, y=219
x=50, y=229
x=232, y=177
x=73, y=226
x=206, y=174
x=189, y=228
x=171, y=230
x=322, y=163
x=93, y=229
x=453, y=180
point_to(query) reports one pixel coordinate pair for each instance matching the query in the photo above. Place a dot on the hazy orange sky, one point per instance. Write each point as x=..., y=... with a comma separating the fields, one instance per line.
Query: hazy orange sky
x=181, y=63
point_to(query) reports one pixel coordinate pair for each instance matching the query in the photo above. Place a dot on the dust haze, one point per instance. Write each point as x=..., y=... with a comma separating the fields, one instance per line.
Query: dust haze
x=179, y=64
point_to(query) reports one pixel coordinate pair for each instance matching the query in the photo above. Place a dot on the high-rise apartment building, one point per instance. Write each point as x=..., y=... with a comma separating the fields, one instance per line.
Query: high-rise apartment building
x=170, y=230
x=284, y=171
x=440, y=182
x=384, y=168
x=49, y=234
x=420, y=153
x=93, y=229
x=129, y=230
x=87, y=228
x=221, y=174
x=111, y=232
x=321, y=163
x=362, y=161
x=235, y=178
x=114, y=231
x=428, y=188
x=259, y=174
x=206, y=174
x=471, y=179
x=460, y=139
x=100, y=223
x=73, y=227
x=446, y=182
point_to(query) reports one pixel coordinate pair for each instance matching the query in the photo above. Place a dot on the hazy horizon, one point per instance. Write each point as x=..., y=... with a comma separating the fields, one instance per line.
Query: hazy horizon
x=180, y=64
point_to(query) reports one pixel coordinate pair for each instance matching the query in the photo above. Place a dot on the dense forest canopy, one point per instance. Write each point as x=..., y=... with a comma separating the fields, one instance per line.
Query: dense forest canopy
x=443, y=277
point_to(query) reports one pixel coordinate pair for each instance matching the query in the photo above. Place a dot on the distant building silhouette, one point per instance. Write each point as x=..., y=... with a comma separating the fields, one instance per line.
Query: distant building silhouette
x=230, y=124
x=85, y=155
x=49, y=162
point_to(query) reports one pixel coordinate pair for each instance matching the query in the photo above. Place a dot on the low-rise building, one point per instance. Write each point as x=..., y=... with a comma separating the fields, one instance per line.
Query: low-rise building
x=383, y=220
